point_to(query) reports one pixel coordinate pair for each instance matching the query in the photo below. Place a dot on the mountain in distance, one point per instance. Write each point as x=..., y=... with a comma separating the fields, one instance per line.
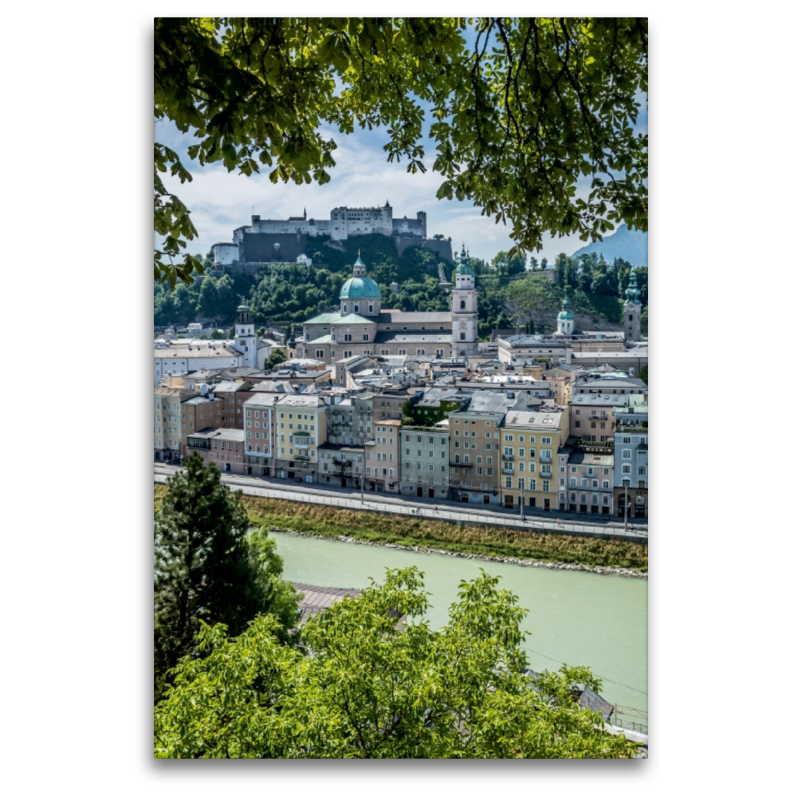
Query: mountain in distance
x=623, y=243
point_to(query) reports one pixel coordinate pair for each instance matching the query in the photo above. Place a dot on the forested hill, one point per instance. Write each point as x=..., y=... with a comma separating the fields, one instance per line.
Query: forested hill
x=624, y=243
x=282, y=293
x=507, y=294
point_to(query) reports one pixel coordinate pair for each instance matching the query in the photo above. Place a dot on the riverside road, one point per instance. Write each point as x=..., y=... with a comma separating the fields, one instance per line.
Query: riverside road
x=605, y=528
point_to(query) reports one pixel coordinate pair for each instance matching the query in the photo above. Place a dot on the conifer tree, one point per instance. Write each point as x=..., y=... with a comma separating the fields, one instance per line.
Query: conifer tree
x=207, y=568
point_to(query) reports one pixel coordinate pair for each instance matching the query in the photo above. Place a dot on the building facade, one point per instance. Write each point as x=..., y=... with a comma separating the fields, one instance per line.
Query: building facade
x=382, y=454
x=530, y=441
x=300, y=430
x=631, y=438
x=424, y=454
x=223, y=447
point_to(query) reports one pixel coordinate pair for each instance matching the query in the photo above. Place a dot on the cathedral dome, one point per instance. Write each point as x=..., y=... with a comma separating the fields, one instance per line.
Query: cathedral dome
x=360, y=289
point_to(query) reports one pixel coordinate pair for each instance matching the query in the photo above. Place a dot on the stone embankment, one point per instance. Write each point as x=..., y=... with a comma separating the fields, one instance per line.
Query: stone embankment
x=522, y=562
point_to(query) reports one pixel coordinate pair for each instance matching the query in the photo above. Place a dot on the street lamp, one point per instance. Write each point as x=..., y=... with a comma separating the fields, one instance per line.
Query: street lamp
x=625, y=523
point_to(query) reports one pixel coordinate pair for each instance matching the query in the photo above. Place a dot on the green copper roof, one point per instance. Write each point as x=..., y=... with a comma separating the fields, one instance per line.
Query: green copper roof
x=565, y=312
x=359, y=262
x=464, y=267
x=632, y=293
x=360, y=289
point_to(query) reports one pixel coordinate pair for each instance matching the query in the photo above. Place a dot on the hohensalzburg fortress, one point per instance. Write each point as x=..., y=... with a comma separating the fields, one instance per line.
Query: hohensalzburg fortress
x=268, y=239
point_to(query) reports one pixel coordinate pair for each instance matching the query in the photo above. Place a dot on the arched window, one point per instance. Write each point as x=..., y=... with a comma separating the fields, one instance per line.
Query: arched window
x=463, y=304
x=630, y=317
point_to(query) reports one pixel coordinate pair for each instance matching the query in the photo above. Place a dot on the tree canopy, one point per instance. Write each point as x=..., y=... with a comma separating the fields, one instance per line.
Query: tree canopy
x=373, y=687
x=208, y=568
x=519, y=109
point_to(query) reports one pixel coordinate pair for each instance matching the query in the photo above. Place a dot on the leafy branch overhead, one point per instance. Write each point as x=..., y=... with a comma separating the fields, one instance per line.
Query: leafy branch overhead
x=518, y=117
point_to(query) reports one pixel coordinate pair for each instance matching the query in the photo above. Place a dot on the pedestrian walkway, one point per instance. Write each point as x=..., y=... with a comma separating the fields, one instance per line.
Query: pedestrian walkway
x=459, y=515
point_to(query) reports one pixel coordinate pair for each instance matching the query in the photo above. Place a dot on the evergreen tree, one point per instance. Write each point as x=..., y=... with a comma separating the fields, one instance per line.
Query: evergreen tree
x=207, y=569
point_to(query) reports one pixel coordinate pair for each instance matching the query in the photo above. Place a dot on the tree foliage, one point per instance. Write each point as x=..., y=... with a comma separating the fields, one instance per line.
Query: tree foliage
x=208, y=568
x=518, y=117
x=372, y=688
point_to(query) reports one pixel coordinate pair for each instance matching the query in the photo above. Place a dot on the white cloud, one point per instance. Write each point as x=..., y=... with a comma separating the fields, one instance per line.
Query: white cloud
x=221, y=201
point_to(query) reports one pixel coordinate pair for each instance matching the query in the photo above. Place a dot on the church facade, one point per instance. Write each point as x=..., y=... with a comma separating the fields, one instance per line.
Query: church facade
x=362, y=326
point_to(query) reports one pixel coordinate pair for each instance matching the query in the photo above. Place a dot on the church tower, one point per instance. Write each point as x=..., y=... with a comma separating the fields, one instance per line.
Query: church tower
x=633, y=311
x=464, y=309
x=245, y=341
x=565, y=324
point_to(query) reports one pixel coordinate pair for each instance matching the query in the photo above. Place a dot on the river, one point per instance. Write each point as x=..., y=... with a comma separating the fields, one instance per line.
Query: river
x=577, y=618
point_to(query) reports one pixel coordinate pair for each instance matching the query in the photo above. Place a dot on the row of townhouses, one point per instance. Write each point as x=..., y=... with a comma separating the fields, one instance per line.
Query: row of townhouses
x=549, y=440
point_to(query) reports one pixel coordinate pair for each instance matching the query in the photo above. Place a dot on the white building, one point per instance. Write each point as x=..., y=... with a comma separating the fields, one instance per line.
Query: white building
x=188, y=355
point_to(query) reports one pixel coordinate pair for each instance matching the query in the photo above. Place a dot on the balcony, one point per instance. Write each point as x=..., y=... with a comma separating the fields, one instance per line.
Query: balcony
x=507, y=457
x=508, y=469
x=543, y=474
x=546, y=460
x=459, y=464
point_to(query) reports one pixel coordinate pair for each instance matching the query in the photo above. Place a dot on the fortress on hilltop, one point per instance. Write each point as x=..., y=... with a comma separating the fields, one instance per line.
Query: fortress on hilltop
x=265, y=240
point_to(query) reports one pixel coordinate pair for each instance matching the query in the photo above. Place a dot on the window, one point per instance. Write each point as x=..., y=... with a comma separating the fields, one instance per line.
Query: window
x=547, y=440
x=532, y=466
x=521, y=484
x=522, y=452
x=508, y=481
x=532, y=484
x=626, y=453
x=626, y=469
x=507, y=437
x=545, y=486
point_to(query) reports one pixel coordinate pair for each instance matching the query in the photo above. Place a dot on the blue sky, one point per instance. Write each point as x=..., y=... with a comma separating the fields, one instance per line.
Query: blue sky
x=221, y=201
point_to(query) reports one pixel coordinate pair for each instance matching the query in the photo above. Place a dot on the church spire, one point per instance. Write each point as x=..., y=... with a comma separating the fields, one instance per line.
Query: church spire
x=632, y=293
x=359, y=268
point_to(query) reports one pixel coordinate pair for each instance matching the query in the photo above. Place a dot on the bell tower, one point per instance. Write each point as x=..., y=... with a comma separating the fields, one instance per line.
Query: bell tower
x=464, y=309
x=633, y=311
x=245, y=330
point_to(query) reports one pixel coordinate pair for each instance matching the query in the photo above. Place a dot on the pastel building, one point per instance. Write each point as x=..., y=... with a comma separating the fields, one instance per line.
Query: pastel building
x=259, y=433
x=223, y=447
x=382, y=454
x=300, y=429
x=424, y=454
x=530, y=441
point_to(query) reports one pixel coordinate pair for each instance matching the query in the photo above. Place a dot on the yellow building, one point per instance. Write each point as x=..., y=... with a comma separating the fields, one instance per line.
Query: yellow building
x=529, y=445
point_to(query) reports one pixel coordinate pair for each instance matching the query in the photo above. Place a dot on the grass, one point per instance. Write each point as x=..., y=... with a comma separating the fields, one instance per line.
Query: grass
x=488, y=540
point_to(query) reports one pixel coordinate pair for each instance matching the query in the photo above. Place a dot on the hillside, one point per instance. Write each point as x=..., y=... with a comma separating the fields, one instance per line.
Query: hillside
x=631, y=246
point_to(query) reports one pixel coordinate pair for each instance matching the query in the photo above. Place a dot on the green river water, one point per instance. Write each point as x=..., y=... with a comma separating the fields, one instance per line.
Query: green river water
x=577, y=618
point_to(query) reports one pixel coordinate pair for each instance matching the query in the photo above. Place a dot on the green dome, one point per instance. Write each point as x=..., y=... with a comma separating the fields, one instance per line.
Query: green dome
x=243, y=307
x=565, y=312
x=360, y=289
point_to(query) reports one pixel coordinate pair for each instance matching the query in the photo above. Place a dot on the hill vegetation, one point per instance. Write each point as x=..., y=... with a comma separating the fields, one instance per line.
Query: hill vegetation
x=511, y=292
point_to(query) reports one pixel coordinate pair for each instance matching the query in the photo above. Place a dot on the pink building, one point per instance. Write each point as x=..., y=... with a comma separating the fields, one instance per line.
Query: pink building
x=223, y=447
x=383, y=459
